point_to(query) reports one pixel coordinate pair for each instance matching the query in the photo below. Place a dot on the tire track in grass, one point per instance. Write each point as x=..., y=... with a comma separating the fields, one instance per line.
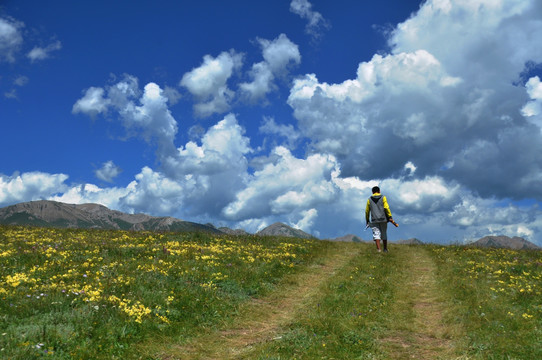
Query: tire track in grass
x=261, y=319
x=422, y=334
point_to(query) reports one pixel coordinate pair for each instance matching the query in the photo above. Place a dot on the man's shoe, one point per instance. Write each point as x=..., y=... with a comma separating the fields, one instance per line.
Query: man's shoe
x=385, y=250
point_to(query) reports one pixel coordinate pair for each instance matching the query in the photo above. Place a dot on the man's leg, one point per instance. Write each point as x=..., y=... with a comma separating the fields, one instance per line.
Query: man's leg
x=384, y=235
x=376, y=235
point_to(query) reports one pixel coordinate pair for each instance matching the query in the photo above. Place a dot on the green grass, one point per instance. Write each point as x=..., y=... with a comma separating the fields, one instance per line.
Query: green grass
x=91, y=294
x=496, y=295
x=88, y=294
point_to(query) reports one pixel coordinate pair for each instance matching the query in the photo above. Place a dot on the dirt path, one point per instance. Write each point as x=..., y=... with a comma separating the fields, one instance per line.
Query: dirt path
x=421, y=334
x=260, y=320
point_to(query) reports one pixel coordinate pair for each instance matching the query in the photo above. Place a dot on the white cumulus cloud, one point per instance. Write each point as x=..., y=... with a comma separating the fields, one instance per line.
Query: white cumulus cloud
x=213, y=171
x=279, y=54
x=92, y=103
x=30, y=186
x=492, y=39
x=223, y=146
x=307, y=221
x=426, y=195
x=209, y=83
x=283, y=185
x=153, y=192
x=145, y=113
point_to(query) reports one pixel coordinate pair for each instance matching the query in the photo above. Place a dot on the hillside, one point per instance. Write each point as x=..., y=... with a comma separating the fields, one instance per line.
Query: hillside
x=284, y=298
x=94, y=216
x=515, y=243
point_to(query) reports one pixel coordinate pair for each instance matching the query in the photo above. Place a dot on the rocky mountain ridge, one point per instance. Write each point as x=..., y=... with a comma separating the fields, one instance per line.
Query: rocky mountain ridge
x=280, y=229
x=95, y=216
x=501, y=241
x=90, y=216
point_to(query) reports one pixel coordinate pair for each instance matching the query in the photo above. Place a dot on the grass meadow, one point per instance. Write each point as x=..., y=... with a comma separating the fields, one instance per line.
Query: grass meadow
x=89, y=294
x=96, y=294
x=496, y=295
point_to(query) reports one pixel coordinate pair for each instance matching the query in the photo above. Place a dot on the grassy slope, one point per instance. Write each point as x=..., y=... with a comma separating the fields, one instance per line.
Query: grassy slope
x=80, y=294
x=261, y=319
x=356, y=304
x=376, y=307
x=414, y=302
x=495, y=294
x=88, y=294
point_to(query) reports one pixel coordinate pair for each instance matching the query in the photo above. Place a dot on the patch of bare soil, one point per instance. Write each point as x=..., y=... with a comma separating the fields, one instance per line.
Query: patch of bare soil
x=261, y=319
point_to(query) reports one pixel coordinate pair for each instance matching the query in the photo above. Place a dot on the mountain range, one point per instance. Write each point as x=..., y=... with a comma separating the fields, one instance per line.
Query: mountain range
x=95, y=216
x=514, y=243
x=48, y=213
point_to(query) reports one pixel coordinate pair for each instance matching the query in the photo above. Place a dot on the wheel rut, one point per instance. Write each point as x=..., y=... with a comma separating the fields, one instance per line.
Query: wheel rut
x=423, y=335
x=261, y=319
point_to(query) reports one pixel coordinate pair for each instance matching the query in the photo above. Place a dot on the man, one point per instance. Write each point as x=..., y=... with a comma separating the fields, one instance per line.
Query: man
x=379, y=210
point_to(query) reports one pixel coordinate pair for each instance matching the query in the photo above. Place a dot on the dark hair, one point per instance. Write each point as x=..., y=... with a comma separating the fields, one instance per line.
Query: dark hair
x=376, y=189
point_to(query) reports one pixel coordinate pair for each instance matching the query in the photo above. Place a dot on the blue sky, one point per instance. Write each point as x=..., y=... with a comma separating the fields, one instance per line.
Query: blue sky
x=244, y=113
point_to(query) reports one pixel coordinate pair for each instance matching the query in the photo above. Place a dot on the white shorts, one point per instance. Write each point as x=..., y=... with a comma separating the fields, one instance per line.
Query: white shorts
x=380, y=231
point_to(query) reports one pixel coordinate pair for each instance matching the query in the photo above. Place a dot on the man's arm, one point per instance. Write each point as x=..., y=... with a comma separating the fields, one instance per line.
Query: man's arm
x=386, y=207
x=388, y=211
x=367, y=211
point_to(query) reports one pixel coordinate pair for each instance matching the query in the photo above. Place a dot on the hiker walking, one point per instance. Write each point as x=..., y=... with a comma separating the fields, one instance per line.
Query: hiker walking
x=380, y=213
